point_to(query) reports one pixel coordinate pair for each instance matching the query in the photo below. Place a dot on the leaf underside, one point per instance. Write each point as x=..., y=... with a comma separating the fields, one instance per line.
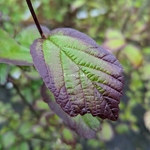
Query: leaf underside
x=84, y=77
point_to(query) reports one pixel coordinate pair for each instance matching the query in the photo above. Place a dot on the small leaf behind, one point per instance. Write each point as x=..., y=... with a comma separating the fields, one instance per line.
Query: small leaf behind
x=85, y=126
x=29, y=34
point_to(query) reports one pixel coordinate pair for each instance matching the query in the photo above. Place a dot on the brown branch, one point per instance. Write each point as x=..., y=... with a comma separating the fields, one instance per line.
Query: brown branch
x=35, y=19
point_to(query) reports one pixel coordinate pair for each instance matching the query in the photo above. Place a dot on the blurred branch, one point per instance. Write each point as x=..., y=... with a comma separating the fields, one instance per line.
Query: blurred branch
x=46, y=128
x=124, y=26
x=23, y=98
x=141, y=9
x=145, y=5
x=25, y=101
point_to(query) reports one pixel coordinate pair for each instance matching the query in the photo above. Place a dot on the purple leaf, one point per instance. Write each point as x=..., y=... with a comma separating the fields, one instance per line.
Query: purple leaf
x=84, y=77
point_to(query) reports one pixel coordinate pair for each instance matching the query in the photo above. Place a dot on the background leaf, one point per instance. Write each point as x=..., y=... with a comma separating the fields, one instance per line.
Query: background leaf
x=133, y=54
x=114, y=40
x=29, y=34
x=13, y=53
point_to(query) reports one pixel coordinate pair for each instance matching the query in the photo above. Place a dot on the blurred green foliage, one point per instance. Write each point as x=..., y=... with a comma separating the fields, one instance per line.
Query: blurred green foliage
x=123, y=27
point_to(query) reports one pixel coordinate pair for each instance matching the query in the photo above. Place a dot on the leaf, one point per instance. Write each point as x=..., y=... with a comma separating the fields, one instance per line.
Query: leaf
x=23, y=145
x=133, y=54
x=107, y=133
x=67, y=136
x=4, y=70
x=145, y=70
x=114, y=40
x=122, y=128
x=11, y=52
x=85, y=126
x=8, y=139
x=83, y=77
x=114, y=44
x=29, y=34
x=113, y=34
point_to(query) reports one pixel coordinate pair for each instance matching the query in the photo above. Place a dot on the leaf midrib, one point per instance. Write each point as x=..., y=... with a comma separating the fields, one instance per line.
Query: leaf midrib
x=104, y=71
x=91, y=46
x=84, y=66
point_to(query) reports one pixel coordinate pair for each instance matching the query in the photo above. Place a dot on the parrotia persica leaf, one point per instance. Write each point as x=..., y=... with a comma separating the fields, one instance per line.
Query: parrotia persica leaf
x=84, y=77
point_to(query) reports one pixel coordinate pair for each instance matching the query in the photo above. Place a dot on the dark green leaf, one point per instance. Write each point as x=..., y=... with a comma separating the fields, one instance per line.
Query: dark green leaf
x=11, y=52
x=29, y=34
